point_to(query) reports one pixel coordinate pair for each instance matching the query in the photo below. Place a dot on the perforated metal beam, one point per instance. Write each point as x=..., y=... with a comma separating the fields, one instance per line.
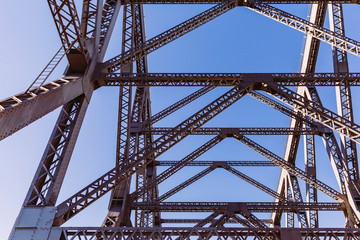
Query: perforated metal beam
x=227, y=79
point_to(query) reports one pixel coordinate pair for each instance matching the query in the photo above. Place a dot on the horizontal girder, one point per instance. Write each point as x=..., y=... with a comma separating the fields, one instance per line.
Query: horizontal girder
x=236, y=206
x=221, y=1
x=176, y=106
x=107, y=182
x=180, y=233
x=167, y=220
x=227, y=79
x=211, y=163
x=336, y=40
x=22, y=109
x=243, y=131
x=290, y=167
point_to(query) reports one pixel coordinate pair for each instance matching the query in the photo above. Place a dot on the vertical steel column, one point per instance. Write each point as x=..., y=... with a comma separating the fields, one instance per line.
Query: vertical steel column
x=289, y=216
x=310, y=53
x=343, y=93
x=317, y=16
x=310, y=168
x=142, y=113
x=109, y=15
x=118, y=214
x=297, y=197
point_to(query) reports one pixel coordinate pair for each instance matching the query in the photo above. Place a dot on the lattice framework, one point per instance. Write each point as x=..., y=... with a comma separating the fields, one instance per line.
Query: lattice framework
x=85, y=40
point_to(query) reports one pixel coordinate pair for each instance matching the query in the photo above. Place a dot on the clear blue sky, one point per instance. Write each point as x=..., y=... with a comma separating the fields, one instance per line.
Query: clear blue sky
x=239, y=41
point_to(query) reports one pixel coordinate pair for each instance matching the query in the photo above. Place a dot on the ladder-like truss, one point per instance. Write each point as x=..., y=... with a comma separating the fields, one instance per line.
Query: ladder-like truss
x=137, y=205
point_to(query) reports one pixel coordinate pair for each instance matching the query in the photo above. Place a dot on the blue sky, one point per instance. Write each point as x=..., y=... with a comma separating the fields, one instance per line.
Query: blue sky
x=239, y=41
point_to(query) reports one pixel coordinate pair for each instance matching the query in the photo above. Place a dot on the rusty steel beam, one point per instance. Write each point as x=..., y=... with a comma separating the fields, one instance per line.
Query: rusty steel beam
x=334, y=39
x=109, y=15
x=68, y=26
x=236, y=206
x=316, y=112
x=172, y=233
x=290, y=168
x=166, y=37
x=221, y=1
x=227, y=79
x=243, y=131
x=210, y=163
x=22, y=109
x=46, y=185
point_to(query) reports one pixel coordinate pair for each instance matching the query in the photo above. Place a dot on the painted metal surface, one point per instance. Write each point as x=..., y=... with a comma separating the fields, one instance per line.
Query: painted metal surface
x=85, y=43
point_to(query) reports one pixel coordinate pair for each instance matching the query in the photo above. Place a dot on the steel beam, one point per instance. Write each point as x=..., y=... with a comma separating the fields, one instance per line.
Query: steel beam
x=227, y=79
x=208, y=219
x=343, y=93
x=22, y=109
x=243, y=131
x=221, y=1
x=68, y=25
x=176, y=106
x=172, y=233
x=185, y=184
x=117, y=214
x=316, y=112
x=231, y=221
x=210, y=163
x=255, y=183
x=109, y=15
x=90, y=20
x=336, y=159
x=308, y=64
x=341, y=42
x=166, y=37
x=237, y=207
x=179, y=165
x=241, y=221
x=45, y=187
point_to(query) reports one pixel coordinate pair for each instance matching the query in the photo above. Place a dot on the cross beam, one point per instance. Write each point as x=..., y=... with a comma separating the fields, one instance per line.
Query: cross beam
x=227, y=79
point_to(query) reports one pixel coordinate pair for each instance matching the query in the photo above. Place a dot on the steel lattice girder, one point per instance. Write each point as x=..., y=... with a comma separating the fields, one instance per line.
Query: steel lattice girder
x=236, y=206
x=227, y=79
x=290, y=168
x=171, y=220
x=220, y=1
x=20, y=110
x=211, y=163
x=223, y=233
x=48, y=178
x=179, y=165
x=166, y=37
x=68, y=25
x=29, y=99
x=243, y=131
x=323, y=34
x=339, y=41
x=316, y=112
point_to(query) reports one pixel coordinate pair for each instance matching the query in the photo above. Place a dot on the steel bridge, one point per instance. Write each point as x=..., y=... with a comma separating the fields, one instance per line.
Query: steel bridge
x=138, y=205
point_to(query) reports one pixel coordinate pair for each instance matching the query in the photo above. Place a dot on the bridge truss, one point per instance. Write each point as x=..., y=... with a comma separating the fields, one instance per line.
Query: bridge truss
x=138, y=204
